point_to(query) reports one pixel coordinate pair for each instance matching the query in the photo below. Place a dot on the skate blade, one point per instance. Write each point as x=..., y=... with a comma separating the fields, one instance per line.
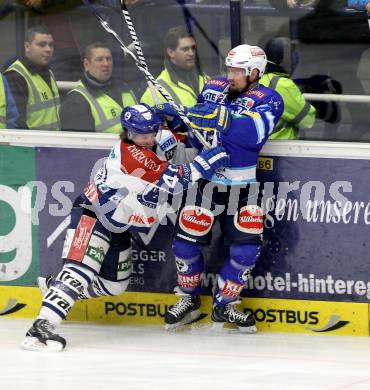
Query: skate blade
x=33, y=344
x=248, y=329
x=224, y=327
x=187, y=320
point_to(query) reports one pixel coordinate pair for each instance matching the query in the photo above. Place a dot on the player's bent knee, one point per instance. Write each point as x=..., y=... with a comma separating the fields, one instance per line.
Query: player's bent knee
x=114, y=288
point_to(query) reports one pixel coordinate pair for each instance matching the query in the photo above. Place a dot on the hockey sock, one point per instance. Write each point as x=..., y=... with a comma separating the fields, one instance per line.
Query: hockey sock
x=189, y=264
x=101, y=287
x=72, y=280
x=235, y=272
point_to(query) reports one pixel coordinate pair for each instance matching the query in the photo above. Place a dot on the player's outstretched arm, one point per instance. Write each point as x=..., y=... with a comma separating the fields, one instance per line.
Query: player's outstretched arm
x=177, y=178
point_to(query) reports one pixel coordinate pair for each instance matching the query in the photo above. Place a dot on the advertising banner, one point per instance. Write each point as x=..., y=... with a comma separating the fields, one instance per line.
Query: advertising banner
x=138, y=308
x=316, y=231
x=317, y=216
x=19, y=254
x=62, y=173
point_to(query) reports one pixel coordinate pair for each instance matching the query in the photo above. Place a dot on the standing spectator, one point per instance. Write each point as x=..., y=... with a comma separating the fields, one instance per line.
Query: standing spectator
x=236, y=202
x=33, y=85
x=180, y=76
x=298, y=113
x=8, y=110
x=96, y=104
x=66, y=62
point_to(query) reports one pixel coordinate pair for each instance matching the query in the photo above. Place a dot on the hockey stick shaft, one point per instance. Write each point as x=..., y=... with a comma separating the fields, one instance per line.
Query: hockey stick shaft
x=147, y=74
x=140, y=55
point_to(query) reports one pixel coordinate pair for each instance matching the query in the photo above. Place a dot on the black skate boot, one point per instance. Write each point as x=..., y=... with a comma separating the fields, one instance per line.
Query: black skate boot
x=184, y=311
x=41, y=336
x=222, y=314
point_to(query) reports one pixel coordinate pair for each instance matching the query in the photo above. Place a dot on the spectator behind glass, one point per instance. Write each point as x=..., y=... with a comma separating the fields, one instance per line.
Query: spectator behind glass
x=66, y=62
x=8, y=110
x=298, y=113
x=33, y=85
x=180, y=76
x=97, y=102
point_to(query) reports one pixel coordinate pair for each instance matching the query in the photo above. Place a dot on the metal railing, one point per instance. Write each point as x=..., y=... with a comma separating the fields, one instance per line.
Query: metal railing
x=326, y=97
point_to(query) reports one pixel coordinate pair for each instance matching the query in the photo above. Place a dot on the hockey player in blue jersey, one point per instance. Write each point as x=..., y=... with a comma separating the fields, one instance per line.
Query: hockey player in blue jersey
x=253, y=110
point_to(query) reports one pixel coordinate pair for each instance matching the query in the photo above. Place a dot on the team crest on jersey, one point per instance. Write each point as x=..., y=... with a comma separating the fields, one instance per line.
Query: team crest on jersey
x=196, y=221
x=249, y=220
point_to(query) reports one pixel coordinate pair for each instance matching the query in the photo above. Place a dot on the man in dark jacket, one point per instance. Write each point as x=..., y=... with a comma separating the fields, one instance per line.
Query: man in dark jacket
x=97, y=102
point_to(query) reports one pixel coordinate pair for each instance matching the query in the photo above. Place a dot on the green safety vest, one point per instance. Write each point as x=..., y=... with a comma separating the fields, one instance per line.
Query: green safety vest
x=105, y=110
x=298, y=113
x=2, y=105
x=43, y=102
x=180, y=92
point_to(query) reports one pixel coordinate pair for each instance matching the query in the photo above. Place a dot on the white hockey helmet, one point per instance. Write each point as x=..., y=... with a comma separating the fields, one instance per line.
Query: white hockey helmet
x=247, y=57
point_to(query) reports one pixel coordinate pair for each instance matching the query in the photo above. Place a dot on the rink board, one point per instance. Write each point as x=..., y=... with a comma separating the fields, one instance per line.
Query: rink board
x=313, y=274
x=272, y=315
x=321, y=256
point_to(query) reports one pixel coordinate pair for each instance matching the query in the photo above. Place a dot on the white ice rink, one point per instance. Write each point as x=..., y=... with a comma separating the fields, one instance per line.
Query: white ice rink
x=107, y=357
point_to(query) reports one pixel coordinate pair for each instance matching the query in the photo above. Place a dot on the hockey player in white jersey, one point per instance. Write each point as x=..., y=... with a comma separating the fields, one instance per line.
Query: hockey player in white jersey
x=122, y=197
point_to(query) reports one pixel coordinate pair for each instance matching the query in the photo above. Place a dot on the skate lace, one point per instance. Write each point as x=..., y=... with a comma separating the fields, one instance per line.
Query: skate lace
x=46, y=327
x=182, y=305
x=234, y=315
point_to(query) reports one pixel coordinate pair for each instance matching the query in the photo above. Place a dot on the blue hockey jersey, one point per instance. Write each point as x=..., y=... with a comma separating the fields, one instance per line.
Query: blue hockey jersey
x=255, y=113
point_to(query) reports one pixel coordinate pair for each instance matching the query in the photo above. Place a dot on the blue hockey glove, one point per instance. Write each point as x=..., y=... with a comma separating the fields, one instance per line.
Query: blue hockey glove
x=171, y=116
x=165, y=109
x=209, y=117
x=210, y=160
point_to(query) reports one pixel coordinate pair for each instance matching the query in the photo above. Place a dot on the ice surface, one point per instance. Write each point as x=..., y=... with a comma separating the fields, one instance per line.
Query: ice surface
x=109, y=357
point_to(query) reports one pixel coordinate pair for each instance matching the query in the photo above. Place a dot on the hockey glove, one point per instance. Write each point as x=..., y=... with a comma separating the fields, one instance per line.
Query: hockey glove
x=174, y=122
x=210, y=160
x=209, y=117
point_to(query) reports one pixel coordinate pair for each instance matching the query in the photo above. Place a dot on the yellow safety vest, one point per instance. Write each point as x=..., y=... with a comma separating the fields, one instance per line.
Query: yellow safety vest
x=2, y=105
x=43, y=102
x=180, y=92
x=105, y=110
x=298, y=113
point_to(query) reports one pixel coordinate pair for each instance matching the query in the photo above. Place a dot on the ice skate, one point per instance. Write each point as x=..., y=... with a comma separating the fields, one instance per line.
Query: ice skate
x=41, y=336
x=185, y=310
x=223, y=314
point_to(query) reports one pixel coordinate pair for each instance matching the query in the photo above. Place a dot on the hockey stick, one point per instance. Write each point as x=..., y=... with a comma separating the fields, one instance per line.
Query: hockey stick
x=147, y=74
x=138, y=49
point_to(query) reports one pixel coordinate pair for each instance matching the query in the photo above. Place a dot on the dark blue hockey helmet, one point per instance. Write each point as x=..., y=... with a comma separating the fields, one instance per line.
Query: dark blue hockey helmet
x=140, y=119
